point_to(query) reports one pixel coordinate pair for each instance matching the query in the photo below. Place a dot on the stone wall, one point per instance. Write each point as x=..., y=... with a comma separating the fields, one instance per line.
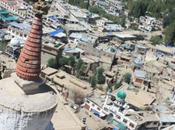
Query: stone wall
x=18, y=120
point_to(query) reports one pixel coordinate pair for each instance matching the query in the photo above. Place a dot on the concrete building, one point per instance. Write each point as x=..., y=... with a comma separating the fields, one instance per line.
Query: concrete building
x=64, y=80
x=105, y=59
x=14, y=47
x=139, y=77
x=118, y=109
x=162, y=51
x=113, y=7
x=18, y=29
x=114, y=109
x=13, y=7
x=149, y=24
x=53, y=49
x=27, y=102
x=113, y=28
x=70, y=28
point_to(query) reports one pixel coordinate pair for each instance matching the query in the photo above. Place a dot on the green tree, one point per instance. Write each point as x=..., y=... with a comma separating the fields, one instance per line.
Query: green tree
x=123, y=21
x=81, y=70
x=169, y=18
x=80, y=67
x=71, y=61
x=79, y=64
x=156, y=8
x=93, y=82
x=100, y=76
x=30, y=1
x=156, y=40
x=52, y=63
x=97, y=10
x=117, y=84
x=80, y=3
x=100, y=11
x=139, y=7
x=62, y=61
x=170, y=33
x=3, y=45
x=127, y=78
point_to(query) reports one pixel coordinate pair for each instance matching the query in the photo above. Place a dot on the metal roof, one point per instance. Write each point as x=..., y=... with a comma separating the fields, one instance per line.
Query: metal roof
x=9, y=18
x=4, y=12
x=56, y=32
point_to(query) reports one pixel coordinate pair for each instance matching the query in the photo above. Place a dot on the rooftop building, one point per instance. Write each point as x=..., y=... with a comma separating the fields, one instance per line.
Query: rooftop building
x=16, y=29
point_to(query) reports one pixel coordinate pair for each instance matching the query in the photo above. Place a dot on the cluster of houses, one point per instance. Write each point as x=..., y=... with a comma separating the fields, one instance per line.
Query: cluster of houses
x=146, y=101
x=113, y=7
x=148, y=24
x=16, y=7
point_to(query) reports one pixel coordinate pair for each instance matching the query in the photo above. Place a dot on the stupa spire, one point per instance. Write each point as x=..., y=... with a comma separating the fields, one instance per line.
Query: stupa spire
x=29, y=62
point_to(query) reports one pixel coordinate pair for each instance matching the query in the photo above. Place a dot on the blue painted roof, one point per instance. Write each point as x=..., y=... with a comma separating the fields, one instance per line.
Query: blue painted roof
x=54, y=33
x=53, y=18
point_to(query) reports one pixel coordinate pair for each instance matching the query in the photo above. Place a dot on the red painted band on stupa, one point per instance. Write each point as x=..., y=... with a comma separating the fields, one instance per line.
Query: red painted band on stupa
x=28, y=64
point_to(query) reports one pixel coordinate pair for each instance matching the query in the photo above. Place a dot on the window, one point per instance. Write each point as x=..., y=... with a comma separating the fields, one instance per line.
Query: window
x=118, y=117
x=125, y=121
x=26, y=61
x=138, y=80
x=98, y=108
x=155, y=123
x=131, y=125
x=106, y=109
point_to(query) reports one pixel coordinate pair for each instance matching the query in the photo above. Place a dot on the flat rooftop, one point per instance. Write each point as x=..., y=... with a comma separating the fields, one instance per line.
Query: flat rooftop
x=63, y=79
x=49, y=71
x=140, y=99
x=120, y=35
x=14, y=97
x=64, y=118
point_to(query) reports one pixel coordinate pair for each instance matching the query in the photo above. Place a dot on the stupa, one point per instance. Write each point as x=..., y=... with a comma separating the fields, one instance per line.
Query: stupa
x=26, y=102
